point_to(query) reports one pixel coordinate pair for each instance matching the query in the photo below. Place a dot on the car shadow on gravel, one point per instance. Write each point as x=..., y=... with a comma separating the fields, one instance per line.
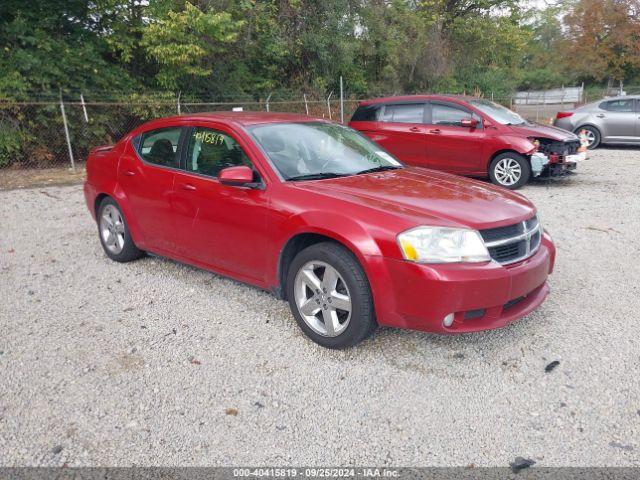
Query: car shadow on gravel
x=412, y=350
x=407, y=350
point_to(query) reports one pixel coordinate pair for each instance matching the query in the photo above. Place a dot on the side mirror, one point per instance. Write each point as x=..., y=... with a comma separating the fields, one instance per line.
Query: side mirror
x=241, y=176
x=469, y=123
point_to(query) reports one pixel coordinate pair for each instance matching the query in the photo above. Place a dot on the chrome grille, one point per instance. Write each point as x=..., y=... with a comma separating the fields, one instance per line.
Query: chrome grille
x=513, y=243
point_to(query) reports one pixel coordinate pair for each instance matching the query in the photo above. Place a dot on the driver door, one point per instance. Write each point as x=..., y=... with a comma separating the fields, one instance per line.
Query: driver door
x=219, y=226
x=452, y=147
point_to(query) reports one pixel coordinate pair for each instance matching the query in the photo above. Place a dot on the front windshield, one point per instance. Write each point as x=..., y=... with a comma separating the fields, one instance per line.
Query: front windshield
x=497, y=112
x=311, y=150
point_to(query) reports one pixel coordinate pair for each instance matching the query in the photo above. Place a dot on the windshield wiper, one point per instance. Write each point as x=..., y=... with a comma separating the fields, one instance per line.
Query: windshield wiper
x=316, y=176
x=380, y=168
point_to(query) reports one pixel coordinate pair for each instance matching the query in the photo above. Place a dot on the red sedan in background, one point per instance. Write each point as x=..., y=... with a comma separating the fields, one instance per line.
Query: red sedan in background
x=467, y=136
x=320, y=215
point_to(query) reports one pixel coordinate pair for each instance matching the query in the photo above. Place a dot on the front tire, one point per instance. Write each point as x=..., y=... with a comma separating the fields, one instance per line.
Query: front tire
x=330, y=297
x=510, y=170
x=593, y=136
x=114, y=233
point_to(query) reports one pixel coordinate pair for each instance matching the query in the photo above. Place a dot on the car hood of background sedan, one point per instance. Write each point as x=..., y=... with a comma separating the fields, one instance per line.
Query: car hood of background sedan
x=546, y=131
x=420, y=195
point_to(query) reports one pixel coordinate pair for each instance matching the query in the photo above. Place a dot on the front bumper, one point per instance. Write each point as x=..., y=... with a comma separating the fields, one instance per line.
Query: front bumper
x=481, y=296
x=557, y=165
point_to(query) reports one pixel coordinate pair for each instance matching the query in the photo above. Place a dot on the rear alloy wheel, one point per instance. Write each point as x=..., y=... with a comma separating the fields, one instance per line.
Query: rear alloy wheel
x=329, y=296
x=510, y=170
x=592, y=135
x=114, y=233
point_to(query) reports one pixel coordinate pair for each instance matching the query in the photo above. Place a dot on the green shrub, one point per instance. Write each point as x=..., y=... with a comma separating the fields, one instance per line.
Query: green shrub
x=10, y=144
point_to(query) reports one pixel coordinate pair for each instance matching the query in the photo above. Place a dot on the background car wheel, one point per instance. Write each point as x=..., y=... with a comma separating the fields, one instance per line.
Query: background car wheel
x=329, y=296
x=114, y=233
x=592, y=134
x=510, y=170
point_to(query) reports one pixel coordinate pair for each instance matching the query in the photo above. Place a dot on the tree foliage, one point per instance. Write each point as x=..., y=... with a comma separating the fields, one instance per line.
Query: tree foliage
x=603, y=39
x=249, y=48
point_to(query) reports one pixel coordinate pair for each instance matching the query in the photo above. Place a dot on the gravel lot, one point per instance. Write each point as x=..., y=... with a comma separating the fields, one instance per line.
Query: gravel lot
x=156, y=363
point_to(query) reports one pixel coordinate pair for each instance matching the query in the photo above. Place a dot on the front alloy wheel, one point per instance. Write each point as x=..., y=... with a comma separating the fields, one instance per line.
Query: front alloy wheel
x=329, y=296
x=510, y=170
x=323, y=299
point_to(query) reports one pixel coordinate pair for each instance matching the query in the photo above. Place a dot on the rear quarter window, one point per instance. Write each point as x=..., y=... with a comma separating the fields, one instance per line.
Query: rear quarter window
x=160, y=147
x=366, y=113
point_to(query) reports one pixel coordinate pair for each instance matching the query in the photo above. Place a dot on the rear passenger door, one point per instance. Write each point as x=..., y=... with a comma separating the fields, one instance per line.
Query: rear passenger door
x=399, y=128
x=450, y=146
x=145, y=173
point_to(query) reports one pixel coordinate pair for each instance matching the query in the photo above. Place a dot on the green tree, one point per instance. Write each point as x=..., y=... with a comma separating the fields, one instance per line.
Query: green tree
x=186, y=44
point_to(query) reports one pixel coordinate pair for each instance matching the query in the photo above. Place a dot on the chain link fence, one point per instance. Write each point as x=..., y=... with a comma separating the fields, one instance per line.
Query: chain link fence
x=33, y=134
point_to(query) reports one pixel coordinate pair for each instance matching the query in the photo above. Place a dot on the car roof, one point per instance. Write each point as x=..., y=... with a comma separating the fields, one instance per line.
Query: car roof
x=621, y=97
x=414, y=98
x=235, y=118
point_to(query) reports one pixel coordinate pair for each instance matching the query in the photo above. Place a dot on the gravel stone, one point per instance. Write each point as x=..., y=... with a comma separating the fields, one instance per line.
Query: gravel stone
x=77, y=364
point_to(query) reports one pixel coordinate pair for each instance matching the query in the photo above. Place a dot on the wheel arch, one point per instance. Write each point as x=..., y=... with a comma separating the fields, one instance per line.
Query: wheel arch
x=98, y=201
x=590, y=125
x=118, y=196
x=506, y=150
x=301, y=240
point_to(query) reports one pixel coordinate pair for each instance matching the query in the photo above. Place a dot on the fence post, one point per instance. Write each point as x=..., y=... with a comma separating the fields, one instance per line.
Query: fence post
x=306, y=106
x=66, y=133
x=178, y=102
x=267, y=102
x=84, y=108
x=329, y=104
x=341, y=102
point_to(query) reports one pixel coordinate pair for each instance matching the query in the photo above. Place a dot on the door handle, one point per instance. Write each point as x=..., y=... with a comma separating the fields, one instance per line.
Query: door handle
x=437, y=131
x=128, y=173
x=600, y=115
x=187, y=186
x=414, y=129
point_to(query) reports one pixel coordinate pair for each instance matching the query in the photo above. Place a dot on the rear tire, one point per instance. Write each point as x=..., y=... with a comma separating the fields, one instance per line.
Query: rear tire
x=593, y=136
x=510, y=170
x=330, y=297
x=113, y=232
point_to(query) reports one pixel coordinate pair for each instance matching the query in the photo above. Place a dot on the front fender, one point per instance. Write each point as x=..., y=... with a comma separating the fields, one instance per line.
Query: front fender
x=343, y=229
x=520, y=145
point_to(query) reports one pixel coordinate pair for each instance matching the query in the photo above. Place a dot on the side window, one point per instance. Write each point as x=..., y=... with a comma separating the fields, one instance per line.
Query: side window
x=160, y=147
x=210, y=151
x=625, y=105
x=366, y=113
x=407, y=113
x=449, y=115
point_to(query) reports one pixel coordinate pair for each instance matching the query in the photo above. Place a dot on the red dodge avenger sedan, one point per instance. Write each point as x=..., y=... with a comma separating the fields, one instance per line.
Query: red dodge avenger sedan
x=324, y=218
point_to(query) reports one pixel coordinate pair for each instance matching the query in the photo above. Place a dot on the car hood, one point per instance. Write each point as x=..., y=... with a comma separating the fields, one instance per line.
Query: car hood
x=421, y=195
x=546, y=131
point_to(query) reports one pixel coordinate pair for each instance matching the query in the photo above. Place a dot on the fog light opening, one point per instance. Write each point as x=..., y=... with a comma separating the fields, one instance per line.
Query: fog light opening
x=448, y=320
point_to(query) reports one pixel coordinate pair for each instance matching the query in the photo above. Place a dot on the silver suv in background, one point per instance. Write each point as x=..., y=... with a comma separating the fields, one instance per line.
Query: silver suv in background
x=611, y=120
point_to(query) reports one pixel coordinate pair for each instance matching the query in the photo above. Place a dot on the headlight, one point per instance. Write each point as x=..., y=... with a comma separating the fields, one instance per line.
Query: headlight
x=442, y=245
